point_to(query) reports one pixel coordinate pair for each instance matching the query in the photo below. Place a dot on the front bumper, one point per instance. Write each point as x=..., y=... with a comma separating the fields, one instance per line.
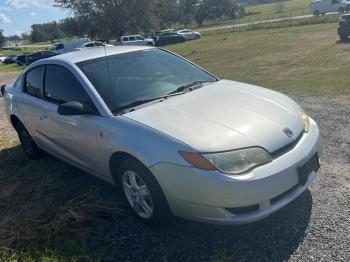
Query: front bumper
x=208, y=196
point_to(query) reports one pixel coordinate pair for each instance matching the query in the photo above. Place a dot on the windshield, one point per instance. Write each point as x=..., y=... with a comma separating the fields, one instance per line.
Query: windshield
x=143, y=75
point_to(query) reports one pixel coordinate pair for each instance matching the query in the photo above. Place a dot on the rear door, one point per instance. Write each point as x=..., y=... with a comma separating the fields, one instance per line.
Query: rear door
x=71, y=137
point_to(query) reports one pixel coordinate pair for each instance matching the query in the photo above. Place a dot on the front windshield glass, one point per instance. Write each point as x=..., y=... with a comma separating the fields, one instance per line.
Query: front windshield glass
x=142, y=75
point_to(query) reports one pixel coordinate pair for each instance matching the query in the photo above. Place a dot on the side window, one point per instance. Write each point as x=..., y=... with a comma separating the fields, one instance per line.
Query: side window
x=61, y=86
x=125, y=39
x=98, y=44
x=60, y=46
x=139, y=38
x=34, y=82
x=131, y=38
x=89, y=45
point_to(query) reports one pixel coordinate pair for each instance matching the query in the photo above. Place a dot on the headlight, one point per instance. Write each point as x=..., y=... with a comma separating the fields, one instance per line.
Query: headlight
x=238, y=161
x=306, y=120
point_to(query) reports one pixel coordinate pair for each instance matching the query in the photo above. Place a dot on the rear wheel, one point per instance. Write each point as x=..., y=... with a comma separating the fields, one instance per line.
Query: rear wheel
x=27, y=142
x=343, y=37
x=316, y=13
x=143, y=193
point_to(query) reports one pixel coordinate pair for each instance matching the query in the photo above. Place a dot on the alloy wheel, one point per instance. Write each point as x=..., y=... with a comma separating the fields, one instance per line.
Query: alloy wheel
x=137, y=194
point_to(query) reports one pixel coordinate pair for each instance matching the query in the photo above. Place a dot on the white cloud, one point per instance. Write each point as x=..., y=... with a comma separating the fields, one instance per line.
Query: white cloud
x=5, y=19
x=19, y=4
x=32, y=13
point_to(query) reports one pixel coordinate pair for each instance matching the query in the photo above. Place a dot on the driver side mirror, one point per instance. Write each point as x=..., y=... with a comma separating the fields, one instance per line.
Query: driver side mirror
x=73, y=108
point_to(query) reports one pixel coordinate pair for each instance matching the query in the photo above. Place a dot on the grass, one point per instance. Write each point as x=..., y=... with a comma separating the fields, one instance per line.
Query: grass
x=13, y=68
x=270, y=11
x=51, y=211
x=300, y=60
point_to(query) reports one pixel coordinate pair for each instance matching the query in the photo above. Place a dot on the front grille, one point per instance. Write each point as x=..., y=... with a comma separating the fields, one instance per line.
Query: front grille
x=287, y=147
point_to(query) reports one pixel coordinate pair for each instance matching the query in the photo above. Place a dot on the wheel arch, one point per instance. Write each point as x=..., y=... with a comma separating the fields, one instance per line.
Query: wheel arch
x=117, y=158
x=15, y=121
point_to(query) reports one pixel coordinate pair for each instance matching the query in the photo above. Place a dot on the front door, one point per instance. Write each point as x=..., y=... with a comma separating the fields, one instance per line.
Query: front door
x=70, y=137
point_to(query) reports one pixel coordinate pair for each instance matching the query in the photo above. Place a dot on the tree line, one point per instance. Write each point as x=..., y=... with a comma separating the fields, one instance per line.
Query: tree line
x=105, y=19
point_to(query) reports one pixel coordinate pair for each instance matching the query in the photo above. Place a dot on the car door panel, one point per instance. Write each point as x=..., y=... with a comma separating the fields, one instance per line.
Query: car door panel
x=71, y=137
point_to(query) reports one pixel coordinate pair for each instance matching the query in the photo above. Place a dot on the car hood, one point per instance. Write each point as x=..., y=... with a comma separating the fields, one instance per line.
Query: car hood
x=225, y=115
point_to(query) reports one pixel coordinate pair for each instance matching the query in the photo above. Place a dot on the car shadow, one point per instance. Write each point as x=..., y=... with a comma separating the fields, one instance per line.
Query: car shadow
x=49, y=205
x=346, y=41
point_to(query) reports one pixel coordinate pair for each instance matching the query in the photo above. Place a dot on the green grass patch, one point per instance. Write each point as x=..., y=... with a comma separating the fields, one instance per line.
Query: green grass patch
x=270, y=11
x=10, y=69
x=300, y=60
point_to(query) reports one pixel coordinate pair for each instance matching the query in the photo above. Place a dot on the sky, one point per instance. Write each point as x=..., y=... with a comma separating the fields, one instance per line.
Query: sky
x=16, y=16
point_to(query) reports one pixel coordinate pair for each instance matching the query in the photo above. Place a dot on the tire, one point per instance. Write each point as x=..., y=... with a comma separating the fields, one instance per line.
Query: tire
x=143, y=193
x=343, y=37
x=27, y=142
x=341, y=10
x=316, y=13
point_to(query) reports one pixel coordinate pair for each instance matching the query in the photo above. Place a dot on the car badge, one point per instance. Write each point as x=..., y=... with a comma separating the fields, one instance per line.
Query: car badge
x=288, y=132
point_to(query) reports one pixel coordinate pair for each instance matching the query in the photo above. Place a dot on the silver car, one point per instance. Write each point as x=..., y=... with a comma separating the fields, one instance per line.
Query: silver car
x=171, y=136
x=189, y=34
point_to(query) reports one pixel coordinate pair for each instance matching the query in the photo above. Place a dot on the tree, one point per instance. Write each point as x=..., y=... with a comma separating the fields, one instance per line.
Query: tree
x=116, y=17
x=44, y=32
x=2, y=38
x=74, y=26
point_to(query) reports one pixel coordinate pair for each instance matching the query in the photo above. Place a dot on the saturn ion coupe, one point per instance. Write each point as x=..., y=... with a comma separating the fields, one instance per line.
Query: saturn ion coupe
x=173, y=138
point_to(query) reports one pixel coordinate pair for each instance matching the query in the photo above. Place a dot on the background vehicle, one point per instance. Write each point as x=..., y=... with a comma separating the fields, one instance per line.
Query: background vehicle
x=21, y=59
x=2, y=58
x=344, y=27
x=38, y=56
x=135, y=40
x=189, y=34
x=92, y=44
x=318, y=7
x=169, y=38
x=10, y=59
x=68, y=46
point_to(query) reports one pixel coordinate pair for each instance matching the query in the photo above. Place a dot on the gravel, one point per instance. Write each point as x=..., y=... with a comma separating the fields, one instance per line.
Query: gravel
x=315, y=227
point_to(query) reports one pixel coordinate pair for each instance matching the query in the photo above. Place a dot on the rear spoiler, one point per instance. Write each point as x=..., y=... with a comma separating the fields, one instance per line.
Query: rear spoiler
x=2, y=90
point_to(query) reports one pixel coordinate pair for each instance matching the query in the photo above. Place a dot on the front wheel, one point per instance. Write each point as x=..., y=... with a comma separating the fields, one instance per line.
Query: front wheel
x=27, y=142
x=143, y=193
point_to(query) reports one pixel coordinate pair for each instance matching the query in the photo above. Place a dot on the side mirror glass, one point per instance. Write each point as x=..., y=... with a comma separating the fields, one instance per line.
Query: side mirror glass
x=73, y=108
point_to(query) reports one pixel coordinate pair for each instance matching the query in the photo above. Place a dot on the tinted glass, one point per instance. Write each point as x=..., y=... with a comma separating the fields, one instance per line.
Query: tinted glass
x=125, y=39
x=98, y=44
x=139, y=38
x=131, y=38
x=61, y=86
x=132, y=78
x=60, y=46
x=89, y=45
x=33, y=82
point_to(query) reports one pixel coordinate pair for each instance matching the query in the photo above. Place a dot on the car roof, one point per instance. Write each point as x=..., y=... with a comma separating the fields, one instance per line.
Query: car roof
x=93, y=53
x=130, y=35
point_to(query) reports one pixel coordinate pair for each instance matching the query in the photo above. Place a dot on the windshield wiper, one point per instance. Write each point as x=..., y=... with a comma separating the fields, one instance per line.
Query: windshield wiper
x=135, y=103
x=190, y=86
x=179, y=91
